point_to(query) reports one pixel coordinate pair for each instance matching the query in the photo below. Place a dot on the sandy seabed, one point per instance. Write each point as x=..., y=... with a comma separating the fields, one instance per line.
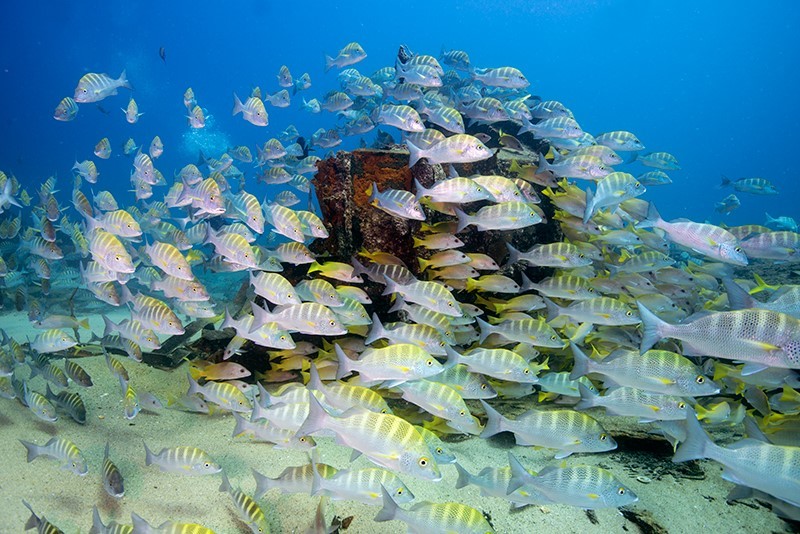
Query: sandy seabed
x=678, y=505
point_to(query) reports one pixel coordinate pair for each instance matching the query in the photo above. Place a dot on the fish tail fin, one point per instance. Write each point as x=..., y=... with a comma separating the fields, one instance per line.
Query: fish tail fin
x=123, y=80
x=553, y=309
x=738, y=298
x=390, y=508
x=373, y=191
x=376, y=332
x=414, y=153
x=345, y=366
x=542, y=165
x=652, y=328
x=263, y=484
x=32, y=448
x=588, y=399
x=33, y=520
x=194, y=387
x=697, y=443
x=527, y=127
x=725, y=182
x=419, y=190
x=317, y=415
x=149, y=457
x=494, y=421
x=97, y=522
x=519, y=475
x=581, y=363
x=328, y=62
x=761, y=285
x=140, y=526
x=238, y=107
x=316, y=479
x=391, y=286
x=653, y=217
x=464, y=477
x=84, y=323
x=225, y=486
x=463, y=220
x=513, y=255
x=485, y=329
x=590, y=205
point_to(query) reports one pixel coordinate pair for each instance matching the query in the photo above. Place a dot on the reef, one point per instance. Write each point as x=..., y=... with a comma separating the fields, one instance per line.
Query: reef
x=341, y=185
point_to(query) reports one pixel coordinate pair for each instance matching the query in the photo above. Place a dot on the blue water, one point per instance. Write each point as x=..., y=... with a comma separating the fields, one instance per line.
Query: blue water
x=714, y=86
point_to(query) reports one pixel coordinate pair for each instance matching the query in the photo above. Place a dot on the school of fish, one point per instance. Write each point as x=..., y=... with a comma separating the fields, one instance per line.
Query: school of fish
x=641, y=317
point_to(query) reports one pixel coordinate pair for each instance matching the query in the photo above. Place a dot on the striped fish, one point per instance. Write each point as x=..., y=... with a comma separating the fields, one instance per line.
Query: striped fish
x=66, y=110
x=38, y=404
x=70, y=402
x=59, y=449
x=247, y=507
x=112, y=478
x=396, y=363
x=387, y=440
x=442, y=401
x=156, y=315
x=93, y=87
x=183, y=460
x=503, y=216
x=362, y=485
x=140, y=525
x=108, y=251
x=435, y=517
x=567, y=431
x=585, y=486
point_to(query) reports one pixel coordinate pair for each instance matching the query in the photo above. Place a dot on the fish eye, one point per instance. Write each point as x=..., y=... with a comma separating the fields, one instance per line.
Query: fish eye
x=283, y=338
x=483, y=386
x=591, y=290
x=399, y=491
x=450, y=304
x=429, y=363
x=628, y=313
x=581, y=256
x=553, y=337
x=423, y=462
x=681, y=405
x=738, y=249
x=527, y=371
x=206, y=465
x=333, y=323
x=637, y=184
x=442, y=343
x=603, y=437
x=621, y=491
x=700, y=379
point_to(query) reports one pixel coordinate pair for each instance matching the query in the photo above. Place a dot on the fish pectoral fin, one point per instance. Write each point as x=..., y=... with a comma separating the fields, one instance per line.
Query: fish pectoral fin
x=618, y=193
x=666, y=381
x=653, y=407
x=593, y=496
x=762, y=345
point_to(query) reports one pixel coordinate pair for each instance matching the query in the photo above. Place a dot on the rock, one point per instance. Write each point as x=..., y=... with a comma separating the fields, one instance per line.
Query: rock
x=341, y=184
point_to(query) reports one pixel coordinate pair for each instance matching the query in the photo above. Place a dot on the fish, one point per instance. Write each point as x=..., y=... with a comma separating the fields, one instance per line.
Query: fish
x=247, y=507
x=459, y=148
x=351, y=54
x=435, y=517
x=746, y=461
x=754, y=186
x=60, y=449
x=659, y=371
x=586, y=486
x=103, y=148
x=162, y=53
x=762, y=338
x=70, y=402
x=706, y=239
x=40, y=523
x=566, y=431
x=112, y=478
x=66, y=110
x=132, y=112
x=396, y=202
x=94, y=87
x=182, y=460
x=140, y=525
x=386, y=439
x=727, y=204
